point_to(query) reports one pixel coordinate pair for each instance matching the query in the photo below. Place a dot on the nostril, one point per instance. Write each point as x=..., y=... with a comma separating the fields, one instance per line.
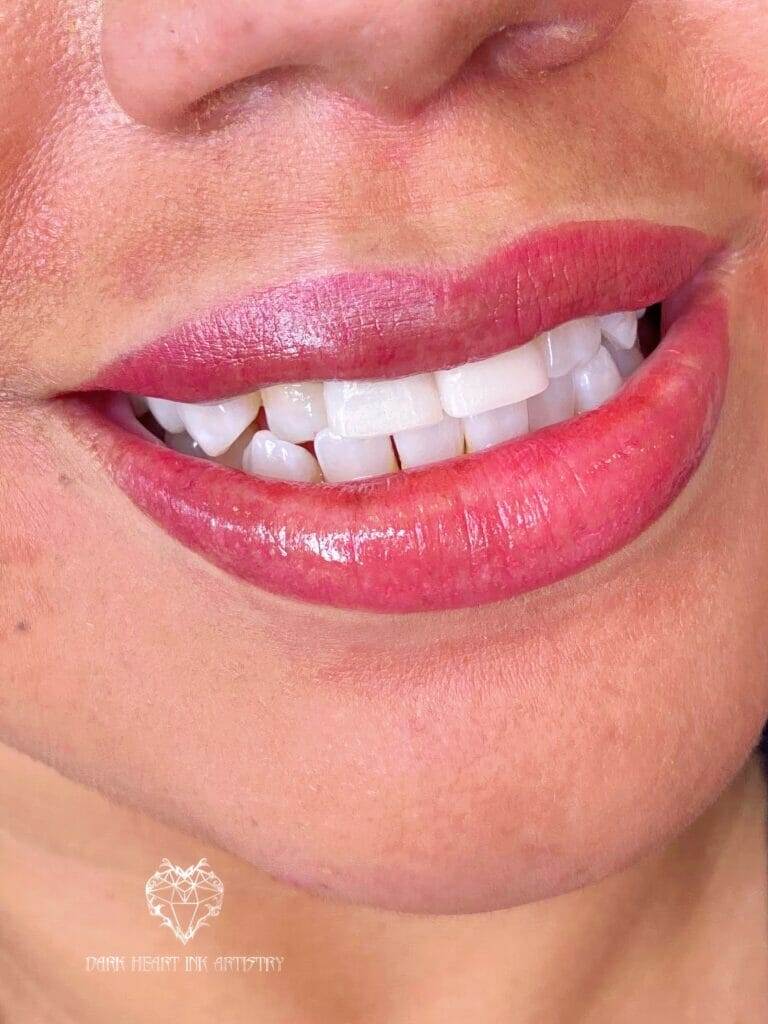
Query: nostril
x=538, y=47
x=534, y=47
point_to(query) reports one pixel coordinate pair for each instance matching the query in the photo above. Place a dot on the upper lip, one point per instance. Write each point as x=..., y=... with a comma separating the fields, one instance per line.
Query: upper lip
x=389, y=323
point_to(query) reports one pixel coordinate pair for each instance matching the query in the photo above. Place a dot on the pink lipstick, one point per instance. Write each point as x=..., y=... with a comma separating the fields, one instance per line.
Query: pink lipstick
x=483, y=527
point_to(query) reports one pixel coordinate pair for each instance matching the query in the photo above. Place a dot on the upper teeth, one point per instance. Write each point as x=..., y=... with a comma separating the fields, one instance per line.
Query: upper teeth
x=358, y=426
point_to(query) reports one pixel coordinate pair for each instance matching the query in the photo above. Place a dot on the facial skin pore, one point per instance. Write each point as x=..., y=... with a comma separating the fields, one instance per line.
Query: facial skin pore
x=472, y=760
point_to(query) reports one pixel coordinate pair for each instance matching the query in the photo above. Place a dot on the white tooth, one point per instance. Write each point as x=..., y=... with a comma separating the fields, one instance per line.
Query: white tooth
x=215, y=427
x=167, y=414
x=185, y=444
x=295, y=412
x=554, y=405
x=627, y=359
x=425, y=445
x=353, y=458
x=138, y=404
x=640, y=313
x=233, y=456
x=570, y=345
x=621, y=328
x=596, y=382
x=491, y=428
x=493, y=383
x=269, y=456
x=371, y=408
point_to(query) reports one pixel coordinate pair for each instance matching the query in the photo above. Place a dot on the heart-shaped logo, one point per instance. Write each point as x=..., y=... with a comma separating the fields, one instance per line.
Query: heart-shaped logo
x=184, y=898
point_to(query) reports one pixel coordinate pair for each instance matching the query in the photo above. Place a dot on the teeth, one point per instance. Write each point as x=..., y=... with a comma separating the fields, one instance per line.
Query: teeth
x=295, y=412
x=425, y=445
x=272, y=457
x=370, y=408
x=570, y=345
x=353, y=458
x=139, y=405
x=620, y=328
x=370, y=428
x=185, y=445
x=215, y=427
x=232, y=457
x=596, y=382
x=167, y=414
x=554, y=405
x=491, y=428
x=493, y=383
x=627, y=359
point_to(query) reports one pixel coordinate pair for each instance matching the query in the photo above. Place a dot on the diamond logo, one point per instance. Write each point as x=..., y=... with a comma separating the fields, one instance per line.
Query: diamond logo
x=184, y=898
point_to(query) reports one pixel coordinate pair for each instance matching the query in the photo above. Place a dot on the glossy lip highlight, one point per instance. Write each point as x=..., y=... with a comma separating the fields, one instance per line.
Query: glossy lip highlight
x=479, y=528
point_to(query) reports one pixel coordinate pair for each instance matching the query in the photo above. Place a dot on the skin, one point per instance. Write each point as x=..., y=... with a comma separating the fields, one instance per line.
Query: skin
x=478, y=760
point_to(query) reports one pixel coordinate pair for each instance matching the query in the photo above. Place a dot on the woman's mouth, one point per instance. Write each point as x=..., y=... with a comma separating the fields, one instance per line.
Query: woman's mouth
x=406, y=442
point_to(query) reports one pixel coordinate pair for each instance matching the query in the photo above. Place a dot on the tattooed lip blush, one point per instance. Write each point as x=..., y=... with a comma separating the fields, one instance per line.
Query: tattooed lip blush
x=415, y=439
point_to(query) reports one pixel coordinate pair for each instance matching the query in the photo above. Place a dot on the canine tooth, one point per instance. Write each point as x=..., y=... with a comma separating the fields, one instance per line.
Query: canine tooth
x=502, y=380
x=295, y=412
x=371, y=408
x=627, y=359
x=554, y=405
x=232, y=457
x=425, y=445
x=620, y=328
x=353, y=458
x=491, y=428
x=269, y=456
x=216, y=426
x=596, y=382
x=184, y=444
x=167, y=414
x=138, y=404
x=570, y=345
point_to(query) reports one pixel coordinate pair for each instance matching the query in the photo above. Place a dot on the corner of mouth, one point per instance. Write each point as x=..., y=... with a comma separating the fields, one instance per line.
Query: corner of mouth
x=550, y=483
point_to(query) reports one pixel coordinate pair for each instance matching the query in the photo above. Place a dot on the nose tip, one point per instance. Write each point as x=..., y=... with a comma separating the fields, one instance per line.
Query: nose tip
x=161, y=56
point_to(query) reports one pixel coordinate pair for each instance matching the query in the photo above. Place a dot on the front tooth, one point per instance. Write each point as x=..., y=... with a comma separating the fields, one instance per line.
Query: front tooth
x=353, y=458
x=425, y=445
x=570, y=345
x=627, y=359
x=596, y=382
x=167, y=414
x=621, y=328
x=491, y=428
x=554, y=405
x=215, y=427
x=269, y=456
x=371, y=408
x=493, y=383
x=295, y=412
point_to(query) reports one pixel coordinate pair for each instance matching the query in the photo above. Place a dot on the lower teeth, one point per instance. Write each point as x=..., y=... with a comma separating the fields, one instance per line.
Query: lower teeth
x=353, y=430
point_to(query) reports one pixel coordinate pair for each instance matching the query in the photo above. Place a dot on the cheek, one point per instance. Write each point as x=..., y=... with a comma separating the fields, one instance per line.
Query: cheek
x=438, y=763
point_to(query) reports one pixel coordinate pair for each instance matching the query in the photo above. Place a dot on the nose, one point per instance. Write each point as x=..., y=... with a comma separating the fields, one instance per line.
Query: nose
x=161, y=56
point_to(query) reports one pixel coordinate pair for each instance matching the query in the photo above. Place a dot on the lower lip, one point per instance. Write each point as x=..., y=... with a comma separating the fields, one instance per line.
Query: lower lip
x=480, y=528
